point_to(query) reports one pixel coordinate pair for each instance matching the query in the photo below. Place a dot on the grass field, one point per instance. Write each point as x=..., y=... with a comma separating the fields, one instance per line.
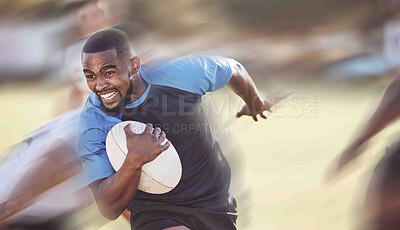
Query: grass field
x=278, y=165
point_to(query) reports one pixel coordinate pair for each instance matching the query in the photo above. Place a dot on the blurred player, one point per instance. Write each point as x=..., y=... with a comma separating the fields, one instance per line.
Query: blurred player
x=383, y=197
x=35, y=179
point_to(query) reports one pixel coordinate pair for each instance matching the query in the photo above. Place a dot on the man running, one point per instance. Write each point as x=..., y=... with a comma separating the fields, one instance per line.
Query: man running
x=166, y=95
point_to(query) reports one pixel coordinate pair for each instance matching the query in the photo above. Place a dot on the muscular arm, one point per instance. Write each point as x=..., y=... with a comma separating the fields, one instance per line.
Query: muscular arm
x=388, y=110
x=243, y=85
x=47, y=172
x=114, y=193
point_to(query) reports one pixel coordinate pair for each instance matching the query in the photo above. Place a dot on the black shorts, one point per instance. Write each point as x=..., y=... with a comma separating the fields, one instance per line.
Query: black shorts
x=157, y=217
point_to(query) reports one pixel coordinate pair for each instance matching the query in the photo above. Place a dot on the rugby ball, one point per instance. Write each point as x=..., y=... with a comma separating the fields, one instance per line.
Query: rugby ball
x=158, y=176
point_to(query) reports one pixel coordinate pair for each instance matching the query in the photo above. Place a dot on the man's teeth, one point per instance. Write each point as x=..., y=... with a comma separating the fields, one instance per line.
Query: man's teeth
x=108, y=96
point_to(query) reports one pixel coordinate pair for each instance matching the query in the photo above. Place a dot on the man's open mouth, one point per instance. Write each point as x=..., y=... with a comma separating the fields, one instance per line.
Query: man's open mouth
x=109, y=96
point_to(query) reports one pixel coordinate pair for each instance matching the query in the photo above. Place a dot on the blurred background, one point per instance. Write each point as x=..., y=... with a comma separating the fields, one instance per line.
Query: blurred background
x=335, y=55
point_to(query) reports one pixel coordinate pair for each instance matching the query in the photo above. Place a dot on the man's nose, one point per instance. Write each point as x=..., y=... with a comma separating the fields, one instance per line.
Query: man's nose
x=101, y=85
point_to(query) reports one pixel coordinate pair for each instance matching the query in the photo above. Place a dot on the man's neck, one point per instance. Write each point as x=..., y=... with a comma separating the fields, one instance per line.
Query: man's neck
x=139, y=87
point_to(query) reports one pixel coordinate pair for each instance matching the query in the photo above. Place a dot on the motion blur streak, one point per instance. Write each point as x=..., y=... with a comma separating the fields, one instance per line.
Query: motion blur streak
x=336, y=55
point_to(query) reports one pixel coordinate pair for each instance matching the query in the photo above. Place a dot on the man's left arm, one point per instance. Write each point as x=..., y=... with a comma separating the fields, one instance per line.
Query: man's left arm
x=243, y=85
x=200, y=74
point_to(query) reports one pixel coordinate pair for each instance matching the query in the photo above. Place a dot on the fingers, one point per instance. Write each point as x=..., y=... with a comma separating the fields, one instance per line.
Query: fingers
x=243, y=111
x=149, y=128
x=165, y=146
x=160, y=135
x=157, y=132
x=161, y=138
x=128, y=130
x=266, y=107
x=263, y=115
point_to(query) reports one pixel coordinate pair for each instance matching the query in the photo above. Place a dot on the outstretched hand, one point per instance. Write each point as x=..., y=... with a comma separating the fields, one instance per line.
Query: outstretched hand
x=258, y=107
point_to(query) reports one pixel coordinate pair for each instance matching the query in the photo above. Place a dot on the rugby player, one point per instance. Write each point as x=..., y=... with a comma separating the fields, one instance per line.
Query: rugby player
x=165, y=94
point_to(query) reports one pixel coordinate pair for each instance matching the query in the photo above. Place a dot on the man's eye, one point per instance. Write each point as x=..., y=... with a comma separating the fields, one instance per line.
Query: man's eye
x=89, y=77
x=109, y=72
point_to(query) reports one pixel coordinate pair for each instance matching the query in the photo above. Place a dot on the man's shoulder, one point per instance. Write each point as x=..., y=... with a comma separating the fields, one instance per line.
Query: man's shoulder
x=192, y=73
x=179, y=62
x=163, y=65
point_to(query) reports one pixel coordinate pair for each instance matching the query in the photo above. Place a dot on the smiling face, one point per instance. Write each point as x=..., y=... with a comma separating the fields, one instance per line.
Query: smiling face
x=109, y=78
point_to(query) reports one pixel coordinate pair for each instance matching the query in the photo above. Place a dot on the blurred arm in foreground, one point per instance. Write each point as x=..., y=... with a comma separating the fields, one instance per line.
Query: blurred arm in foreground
x=387, y=112
x=40, y=181
x=50, y=170
x=54, y=168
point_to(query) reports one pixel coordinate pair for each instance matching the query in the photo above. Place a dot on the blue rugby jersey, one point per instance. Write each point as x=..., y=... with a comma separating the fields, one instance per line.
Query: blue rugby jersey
x=172, y=102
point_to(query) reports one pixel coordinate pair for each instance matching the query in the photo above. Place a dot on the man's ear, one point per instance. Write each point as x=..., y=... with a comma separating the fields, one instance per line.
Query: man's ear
x=135, y=61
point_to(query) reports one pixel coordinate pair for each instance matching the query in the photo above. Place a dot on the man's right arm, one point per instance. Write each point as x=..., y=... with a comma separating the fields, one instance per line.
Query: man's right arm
x=114, y=193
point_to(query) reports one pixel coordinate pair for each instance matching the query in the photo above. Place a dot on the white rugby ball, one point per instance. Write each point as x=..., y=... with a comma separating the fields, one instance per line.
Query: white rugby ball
x=158, y=176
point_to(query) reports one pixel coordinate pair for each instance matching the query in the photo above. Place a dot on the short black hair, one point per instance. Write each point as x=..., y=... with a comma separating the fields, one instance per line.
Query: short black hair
x=108, y=39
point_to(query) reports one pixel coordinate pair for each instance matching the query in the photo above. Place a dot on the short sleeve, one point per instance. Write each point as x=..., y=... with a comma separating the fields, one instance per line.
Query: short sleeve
x=214, y=68
x=93, y=155
x=197, y=74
